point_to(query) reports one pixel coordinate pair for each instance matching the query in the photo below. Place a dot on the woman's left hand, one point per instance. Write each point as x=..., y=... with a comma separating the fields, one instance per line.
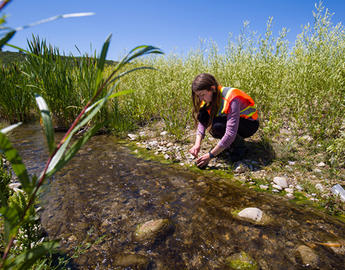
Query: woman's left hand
x=203, y=160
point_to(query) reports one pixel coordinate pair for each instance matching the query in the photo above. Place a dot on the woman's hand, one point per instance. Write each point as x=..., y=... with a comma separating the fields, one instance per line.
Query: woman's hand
x=203, y=160
x=195, y=150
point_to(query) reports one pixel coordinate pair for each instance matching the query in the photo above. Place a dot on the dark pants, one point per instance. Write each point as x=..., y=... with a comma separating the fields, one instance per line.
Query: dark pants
x=246, y=128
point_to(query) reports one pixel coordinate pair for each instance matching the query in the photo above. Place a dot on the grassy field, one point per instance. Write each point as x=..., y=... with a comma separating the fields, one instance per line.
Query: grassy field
x=299, y=88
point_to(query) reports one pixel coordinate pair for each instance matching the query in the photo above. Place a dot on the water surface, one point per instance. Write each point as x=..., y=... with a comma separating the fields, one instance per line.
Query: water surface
x=106, y=192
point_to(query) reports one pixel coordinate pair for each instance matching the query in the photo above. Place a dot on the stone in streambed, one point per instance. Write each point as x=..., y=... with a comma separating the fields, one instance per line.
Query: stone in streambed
x=253, y=215
x=241, y=261
x=308, y=256
x=151, y=230
x=131, y=260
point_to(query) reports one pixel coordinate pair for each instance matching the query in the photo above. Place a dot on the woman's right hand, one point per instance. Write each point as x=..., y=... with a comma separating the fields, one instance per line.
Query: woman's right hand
x=195, y=150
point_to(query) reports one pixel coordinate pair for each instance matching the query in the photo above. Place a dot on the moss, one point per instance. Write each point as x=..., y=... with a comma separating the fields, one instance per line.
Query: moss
x=241, y=261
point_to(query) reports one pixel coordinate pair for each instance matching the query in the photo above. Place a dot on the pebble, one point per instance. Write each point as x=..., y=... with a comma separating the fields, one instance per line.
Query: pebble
x=264, y=187
x=299, y=187
x=289, y=190
x=319, y=187
x=321, y=164
x=163, y=133
x=132, y=137
x=252, y=213
x=308, y=257
x=281, y=181
x=277, y=187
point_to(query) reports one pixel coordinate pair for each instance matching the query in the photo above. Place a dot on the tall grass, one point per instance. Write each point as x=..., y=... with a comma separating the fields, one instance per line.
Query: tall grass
x=298, y=86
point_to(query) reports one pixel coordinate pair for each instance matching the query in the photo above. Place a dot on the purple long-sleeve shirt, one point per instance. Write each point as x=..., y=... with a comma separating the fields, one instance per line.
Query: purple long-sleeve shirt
x=233, y=120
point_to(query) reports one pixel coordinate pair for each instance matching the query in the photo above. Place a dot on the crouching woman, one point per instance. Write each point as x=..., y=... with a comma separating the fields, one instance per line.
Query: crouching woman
x=226, y=112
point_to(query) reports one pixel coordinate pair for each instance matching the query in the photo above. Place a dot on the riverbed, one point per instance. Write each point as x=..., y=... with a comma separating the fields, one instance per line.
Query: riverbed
x=105, y=192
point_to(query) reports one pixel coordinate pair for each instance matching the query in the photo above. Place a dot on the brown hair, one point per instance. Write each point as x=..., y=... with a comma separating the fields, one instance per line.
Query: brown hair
x=205, y=81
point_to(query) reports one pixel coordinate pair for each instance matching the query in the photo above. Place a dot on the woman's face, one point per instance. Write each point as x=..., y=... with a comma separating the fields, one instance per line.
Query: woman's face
x=204, y=95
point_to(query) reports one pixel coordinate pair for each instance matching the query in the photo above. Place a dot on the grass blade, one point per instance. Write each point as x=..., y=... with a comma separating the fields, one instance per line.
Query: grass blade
x=6, y=38
x=47, y=122
x=18, y=166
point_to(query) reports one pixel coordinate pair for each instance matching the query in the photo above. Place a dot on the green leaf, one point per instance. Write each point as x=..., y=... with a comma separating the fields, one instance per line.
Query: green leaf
x=29, y=257
x=6, y=38
x=18, y=166
x=47, y=122
x=11, y=221
x=101, y=62
x=74, y=149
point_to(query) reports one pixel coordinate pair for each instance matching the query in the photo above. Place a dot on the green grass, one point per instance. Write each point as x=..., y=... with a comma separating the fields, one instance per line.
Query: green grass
x=297, y=86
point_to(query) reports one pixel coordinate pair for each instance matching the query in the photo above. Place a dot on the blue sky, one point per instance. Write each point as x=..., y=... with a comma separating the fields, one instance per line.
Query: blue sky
x=176, y=26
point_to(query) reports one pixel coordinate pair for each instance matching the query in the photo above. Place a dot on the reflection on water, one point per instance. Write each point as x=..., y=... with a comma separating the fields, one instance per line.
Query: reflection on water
x=106, y=192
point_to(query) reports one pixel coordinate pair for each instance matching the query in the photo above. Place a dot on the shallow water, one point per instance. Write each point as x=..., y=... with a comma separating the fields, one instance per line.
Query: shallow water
x=106, y=192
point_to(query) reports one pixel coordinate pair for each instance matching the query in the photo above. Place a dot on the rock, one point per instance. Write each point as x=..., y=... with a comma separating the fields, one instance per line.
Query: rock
x=151, y=230
x=292, y=163
x=290, y=196
x=241, y=261
x=277, y=187
x=170, y=144
x=299, y=187
x=163, y=133
x=252, y=213
x=319, y=187
x=166, y=156
x=240, y=167
x=264, y=187
x=289, y=190
x=127, y=260
x=132, y=137
x=321, y=164
x=317, y=170
x=307, y=255
x=281, y=181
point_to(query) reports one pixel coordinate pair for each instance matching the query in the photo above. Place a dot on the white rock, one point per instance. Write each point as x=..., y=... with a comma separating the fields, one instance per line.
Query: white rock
x=281, y=181
x=290, y=196
x=291, y=163
x=132, y=136
x=153, y=143
x=142, y=133
x=321, y=164
x=299, y=187
x=251, y=213
x=170, y=144
x=319, y=187
x=275, y=190
x=317, y=170
x=289, y=190
x=277, y=187
x=166, y=156
x=163, y=133
x=264, y=187
x=240, y=167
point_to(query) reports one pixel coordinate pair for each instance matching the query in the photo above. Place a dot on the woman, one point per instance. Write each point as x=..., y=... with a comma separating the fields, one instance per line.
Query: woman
x=226, y=112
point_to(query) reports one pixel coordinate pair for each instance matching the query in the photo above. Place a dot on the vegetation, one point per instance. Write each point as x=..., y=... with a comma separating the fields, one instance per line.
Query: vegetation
x=300, y=90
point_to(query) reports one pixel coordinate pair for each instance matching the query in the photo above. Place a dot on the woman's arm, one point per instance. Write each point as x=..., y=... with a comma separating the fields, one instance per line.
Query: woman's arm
x=233, y=119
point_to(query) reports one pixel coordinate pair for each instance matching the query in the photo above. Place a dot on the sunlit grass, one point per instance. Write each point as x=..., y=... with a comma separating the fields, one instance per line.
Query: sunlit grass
x=299, y=87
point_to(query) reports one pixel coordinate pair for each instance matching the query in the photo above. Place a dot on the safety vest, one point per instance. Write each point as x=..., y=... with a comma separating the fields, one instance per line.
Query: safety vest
x=228, y=94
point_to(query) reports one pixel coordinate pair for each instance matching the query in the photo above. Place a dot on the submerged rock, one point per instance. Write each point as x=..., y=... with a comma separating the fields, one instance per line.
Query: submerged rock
x=241, y=261
x=151, y=230
x=308, y=256
x=133, y=260
x=253, y=215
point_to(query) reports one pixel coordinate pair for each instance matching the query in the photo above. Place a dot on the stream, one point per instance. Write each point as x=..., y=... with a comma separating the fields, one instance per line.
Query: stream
x=105, y=192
